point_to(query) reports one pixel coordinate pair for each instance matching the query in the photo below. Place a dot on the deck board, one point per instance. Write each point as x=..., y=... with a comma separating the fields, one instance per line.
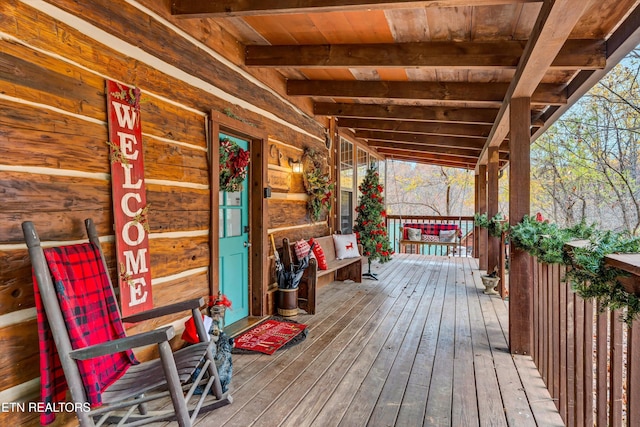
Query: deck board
x=350, y=361
x=421, y=346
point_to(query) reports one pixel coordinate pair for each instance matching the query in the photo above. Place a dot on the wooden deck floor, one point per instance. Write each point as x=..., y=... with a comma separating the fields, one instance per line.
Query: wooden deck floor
x=420, y=346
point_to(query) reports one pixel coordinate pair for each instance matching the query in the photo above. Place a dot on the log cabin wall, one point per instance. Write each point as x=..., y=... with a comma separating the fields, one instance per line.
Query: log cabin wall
x=55, y=56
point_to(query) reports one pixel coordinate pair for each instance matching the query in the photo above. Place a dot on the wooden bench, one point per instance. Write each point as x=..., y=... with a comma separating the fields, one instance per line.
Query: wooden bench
x=430, y=229
x=313, y=278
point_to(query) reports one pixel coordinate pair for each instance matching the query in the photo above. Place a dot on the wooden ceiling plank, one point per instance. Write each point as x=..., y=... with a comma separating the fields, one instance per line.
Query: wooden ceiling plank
x=550, y=32
x=226, y=8
x=482, y=93
x=408, y=25
x=575, y=54
x=431, y=128
x=401, y=112
x=421, y=139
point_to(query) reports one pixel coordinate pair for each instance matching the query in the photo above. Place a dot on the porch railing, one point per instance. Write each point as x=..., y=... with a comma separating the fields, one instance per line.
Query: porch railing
x=465, y=224
x=589, y=360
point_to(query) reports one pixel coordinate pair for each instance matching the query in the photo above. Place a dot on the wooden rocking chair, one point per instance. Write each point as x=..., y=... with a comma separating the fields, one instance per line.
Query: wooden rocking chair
x=134, y=385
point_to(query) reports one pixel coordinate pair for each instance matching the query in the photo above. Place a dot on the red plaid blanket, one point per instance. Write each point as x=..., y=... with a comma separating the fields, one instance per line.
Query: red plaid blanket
x=428, y=228
x=91, y=314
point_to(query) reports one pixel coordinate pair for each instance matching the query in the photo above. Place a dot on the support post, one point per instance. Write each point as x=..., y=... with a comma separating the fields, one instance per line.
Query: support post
x=520, y=281
x=483, y=236
x=476, y=192
x=493, y=169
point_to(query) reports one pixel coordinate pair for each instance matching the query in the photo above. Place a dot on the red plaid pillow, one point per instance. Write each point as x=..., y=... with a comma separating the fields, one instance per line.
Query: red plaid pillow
x=302, y=248
x=319, y=254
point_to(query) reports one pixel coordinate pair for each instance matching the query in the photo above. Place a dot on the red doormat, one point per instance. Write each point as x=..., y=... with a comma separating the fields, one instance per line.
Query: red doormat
x=268, y=336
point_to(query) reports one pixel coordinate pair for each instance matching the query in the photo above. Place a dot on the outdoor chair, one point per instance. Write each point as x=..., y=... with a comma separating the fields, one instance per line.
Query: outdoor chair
x=77, y=309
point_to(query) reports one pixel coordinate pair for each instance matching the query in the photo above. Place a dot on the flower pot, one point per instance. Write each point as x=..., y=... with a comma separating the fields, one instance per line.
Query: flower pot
x=288, y=302
x=490, y=284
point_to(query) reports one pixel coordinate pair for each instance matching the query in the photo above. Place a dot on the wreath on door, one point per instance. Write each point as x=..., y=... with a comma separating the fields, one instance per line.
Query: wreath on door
x=234, y=165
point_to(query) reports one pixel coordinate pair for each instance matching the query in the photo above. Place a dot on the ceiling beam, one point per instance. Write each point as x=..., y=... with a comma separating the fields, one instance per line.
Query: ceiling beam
x=430, y=128
x=416, y=138
x=403, y=112
x=226, y=8
x=414, y=148
x=554, y=24
x=432, y=159
x=481, y=93
x=422, y=148
x=575, y=54
x=431, y=162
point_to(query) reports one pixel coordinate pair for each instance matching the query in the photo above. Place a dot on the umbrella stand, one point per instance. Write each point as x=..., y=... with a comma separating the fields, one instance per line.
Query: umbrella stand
x=288, y=281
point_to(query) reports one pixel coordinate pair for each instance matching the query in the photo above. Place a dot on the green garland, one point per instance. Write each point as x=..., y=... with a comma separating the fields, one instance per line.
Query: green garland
x=593, y=279
x=590, y=276
x=496, y=225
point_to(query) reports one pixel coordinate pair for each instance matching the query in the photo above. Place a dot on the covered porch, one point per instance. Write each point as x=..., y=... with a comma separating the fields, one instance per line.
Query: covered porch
x=357, y=82
x=421, y=346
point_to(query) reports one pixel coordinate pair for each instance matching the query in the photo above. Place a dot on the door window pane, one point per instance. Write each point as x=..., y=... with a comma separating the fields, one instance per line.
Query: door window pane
x=234, y=222
x=233, y=199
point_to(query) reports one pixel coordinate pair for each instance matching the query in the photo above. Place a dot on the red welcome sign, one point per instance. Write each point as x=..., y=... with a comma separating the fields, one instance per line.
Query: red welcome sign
x=129, y=198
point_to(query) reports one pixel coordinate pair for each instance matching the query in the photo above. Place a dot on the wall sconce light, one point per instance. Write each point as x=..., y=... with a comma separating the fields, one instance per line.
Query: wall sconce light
x=296, y=166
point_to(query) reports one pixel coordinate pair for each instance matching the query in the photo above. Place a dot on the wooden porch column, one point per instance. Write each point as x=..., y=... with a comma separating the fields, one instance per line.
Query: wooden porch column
x=520, y=281
x=493, y=170
x=475, y=210
x=483, y=235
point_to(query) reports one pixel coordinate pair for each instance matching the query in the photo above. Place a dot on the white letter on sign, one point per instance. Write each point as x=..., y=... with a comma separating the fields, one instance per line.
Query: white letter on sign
x=126, y=115
x=125, y=233
x=124, y=204
x=136, y=287
x=127, y=178
x=127, y=141
x=136, y=264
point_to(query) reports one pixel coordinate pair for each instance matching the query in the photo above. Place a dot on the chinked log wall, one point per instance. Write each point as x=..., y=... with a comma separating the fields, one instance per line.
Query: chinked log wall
x=54, y=165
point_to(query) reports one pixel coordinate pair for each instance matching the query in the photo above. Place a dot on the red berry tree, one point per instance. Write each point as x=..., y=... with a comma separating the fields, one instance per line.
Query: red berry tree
x=370, y=221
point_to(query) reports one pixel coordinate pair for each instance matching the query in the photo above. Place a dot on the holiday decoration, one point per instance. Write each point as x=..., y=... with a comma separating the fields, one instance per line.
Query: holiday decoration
x=217, y=309
x=130, y=208
x=234, y=163
x=317, y=183
x=370, y=223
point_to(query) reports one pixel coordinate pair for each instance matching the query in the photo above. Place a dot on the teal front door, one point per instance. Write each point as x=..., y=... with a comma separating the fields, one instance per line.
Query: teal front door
x=234, y=247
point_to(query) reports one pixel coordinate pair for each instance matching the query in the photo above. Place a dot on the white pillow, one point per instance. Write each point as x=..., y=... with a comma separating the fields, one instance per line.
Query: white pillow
x=346, y=246
x=414, y=234
x=448, y=236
